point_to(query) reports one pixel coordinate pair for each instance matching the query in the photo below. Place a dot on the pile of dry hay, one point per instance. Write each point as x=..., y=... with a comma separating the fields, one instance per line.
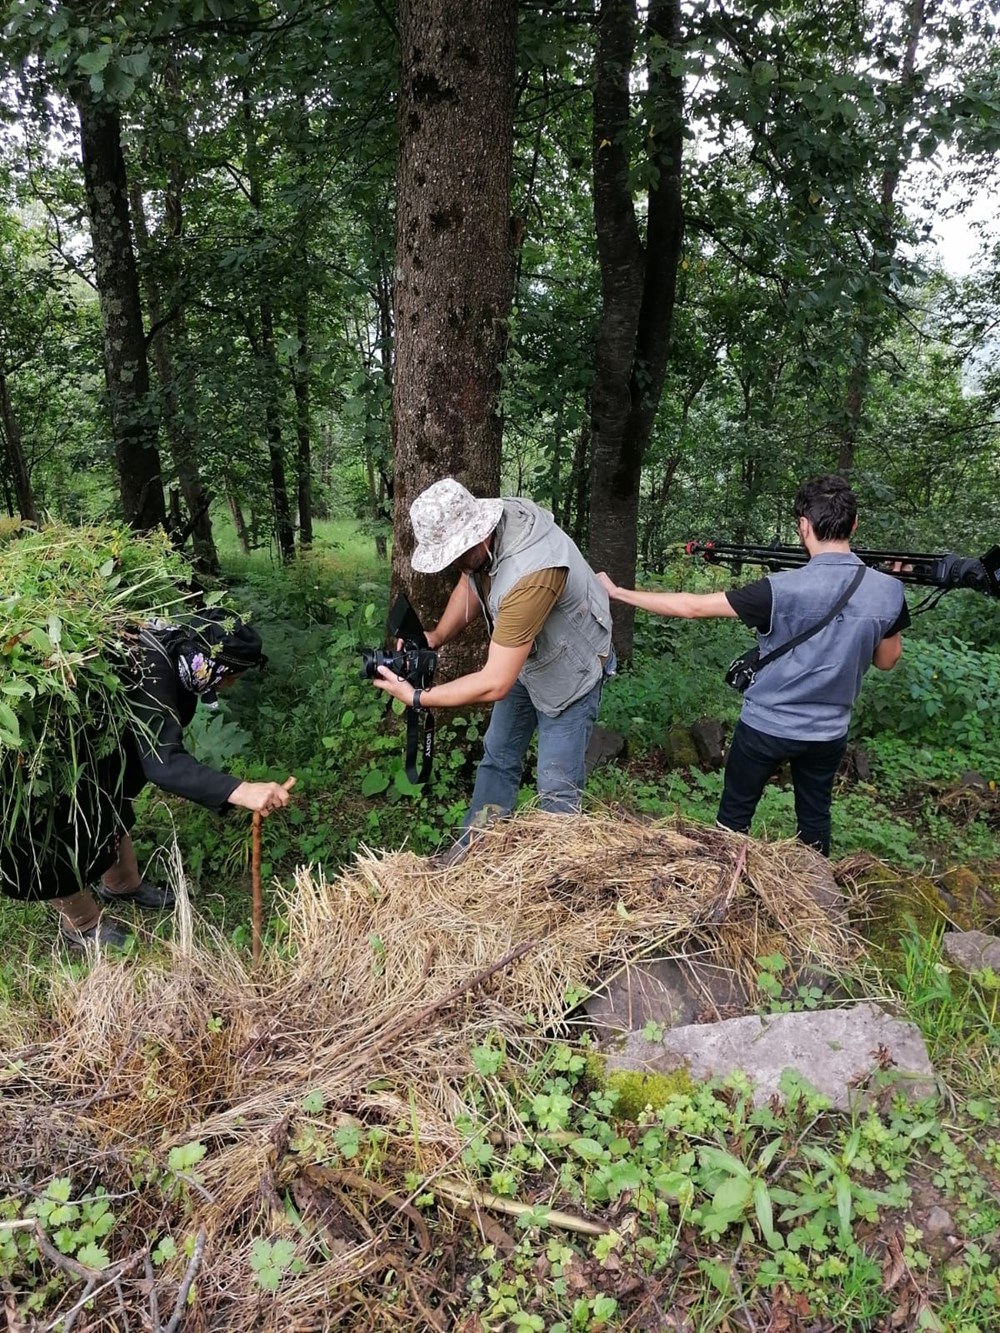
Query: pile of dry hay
x=365, y=1019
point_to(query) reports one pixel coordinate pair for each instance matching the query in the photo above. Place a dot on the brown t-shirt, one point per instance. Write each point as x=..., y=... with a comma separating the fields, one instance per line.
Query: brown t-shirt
x=526, y=607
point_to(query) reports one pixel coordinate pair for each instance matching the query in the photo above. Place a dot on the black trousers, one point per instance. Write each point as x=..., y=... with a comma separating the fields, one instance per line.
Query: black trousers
x=754, y=758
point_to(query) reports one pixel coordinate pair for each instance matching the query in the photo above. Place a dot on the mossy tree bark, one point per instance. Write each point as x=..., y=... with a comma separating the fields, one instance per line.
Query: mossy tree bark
x=454, y=265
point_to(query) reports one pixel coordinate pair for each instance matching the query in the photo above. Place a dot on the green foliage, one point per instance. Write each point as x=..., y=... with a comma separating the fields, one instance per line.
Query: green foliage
x=270, y=1261
x=942, y=693
x=676, y=676
x=779, y=1197
x=81, y=1228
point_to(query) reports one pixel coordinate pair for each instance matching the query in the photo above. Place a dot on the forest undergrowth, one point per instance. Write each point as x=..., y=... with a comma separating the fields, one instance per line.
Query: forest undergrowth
x=707, y=1214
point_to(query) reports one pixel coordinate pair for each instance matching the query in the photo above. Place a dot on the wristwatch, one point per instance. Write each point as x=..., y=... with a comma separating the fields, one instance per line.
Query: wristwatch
x=416, y=699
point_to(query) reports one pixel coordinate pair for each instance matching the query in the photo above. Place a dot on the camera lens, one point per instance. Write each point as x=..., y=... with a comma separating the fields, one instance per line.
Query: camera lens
x=369, y=663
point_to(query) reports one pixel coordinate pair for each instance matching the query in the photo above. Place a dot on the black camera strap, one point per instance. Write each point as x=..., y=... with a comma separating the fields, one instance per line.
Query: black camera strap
x=415, y=742
x=821, y=624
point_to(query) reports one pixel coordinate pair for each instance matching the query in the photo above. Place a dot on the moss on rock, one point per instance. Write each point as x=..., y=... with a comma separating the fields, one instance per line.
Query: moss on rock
x=637, y=1090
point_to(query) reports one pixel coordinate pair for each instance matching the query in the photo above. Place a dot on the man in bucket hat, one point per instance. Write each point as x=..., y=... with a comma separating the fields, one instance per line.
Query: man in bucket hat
x=550, y=648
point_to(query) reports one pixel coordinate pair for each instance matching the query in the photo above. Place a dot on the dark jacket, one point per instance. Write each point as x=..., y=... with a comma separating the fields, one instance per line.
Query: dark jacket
x=74, y=843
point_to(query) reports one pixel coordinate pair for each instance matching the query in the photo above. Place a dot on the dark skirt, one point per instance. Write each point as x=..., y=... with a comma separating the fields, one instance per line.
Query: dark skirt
x=71, y=844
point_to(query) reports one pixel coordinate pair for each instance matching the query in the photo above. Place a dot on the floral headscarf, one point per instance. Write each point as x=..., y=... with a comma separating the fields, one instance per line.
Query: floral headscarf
x=217, y=644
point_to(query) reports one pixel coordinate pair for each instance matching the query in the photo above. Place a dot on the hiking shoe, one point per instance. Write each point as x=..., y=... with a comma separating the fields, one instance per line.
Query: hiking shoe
x=148, y=896
x=108, y=933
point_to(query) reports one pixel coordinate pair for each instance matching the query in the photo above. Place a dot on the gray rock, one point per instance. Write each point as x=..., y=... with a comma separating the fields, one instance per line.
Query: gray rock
x=679, y=750
x=710, y=741
x=971, y=950
x=861, y=763
x=937, y=1223
x=825, y=891
x=604, y=746
x=669, y=991
x=846, y=1054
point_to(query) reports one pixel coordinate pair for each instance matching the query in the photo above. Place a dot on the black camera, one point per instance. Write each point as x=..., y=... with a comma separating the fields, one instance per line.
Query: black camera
x=417, y=665
x=415, y=662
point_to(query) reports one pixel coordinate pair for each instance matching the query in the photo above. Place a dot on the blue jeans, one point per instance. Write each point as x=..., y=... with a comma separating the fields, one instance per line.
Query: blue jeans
x=562, y=749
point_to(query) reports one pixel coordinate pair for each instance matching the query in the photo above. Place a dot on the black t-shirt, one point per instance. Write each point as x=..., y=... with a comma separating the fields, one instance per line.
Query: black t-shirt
x=753, y=602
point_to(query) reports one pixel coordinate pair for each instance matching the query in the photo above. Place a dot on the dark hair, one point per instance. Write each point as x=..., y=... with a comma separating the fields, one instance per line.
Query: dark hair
x=830, y=506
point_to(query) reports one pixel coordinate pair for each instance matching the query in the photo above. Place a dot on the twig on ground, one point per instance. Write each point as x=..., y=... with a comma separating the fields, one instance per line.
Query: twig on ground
x=69, y=1318
x=462, y=1194
x=154, y=1303
x=717, y=914
x=356, y=1181
x=189, y=1277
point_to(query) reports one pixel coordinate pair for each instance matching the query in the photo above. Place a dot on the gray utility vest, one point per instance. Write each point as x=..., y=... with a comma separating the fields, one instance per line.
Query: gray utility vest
x=565, y=662
x=808, y=694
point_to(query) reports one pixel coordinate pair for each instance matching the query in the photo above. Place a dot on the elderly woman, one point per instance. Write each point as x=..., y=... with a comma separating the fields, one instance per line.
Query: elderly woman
x=85, y=838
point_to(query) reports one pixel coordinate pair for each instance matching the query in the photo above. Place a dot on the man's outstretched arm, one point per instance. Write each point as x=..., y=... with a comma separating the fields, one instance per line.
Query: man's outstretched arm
x=687, y=605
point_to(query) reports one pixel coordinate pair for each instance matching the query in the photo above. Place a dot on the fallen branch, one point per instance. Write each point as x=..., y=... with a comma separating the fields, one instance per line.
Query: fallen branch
x=154, y=1303
x=189, y=1277
x=462, y=1194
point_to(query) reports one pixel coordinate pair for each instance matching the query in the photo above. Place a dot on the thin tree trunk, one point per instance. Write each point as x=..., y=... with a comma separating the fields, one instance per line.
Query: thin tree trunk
x=267, y=362
x=283, y=526
x=126, y=371
x=454, y=263
x=303, y=426
x=638, y=284
x=239, y=522
x=17, y=464
x=581, y=475
x=168, y=338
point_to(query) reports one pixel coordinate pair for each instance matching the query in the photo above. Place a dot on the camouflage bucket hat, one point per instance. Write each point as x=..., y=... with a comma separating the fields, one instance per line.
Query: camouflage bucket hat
x=448, y=520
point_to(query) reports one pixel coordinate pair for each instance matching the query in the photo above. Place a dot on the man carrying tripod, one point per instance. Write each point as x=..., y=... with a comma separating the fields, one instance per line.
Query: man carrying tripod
x=819, y=629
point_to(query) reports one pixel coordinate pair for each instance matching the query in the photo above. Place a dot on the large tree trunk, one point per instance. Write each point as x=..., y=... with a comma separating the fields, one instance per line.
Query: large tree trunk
x=638, y=283
x=126, y=371
x=16, y=470
x=169, y=337
x=454, y=263
x=883, y=243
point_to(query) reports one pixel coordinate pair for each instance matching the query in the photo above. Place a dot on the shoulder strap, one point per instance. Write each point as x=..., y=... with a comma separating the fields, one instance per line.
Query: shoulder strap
x=821, y=624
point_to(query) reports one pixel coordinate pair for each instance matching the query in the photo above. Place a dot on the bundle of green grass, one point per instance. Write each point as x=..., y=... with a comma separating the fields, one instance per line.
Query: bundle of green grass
x=71, y=599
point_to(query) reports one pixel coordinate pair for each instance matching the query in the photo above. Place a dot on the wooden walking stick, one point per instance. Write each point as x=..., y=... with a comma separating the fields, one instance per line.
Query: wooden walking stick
x=258, y=894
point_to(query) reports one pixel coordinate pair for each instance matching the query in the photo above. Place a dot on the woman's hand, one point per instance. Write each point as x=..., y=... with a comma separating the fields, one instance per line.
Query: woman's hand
x=262, y=797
